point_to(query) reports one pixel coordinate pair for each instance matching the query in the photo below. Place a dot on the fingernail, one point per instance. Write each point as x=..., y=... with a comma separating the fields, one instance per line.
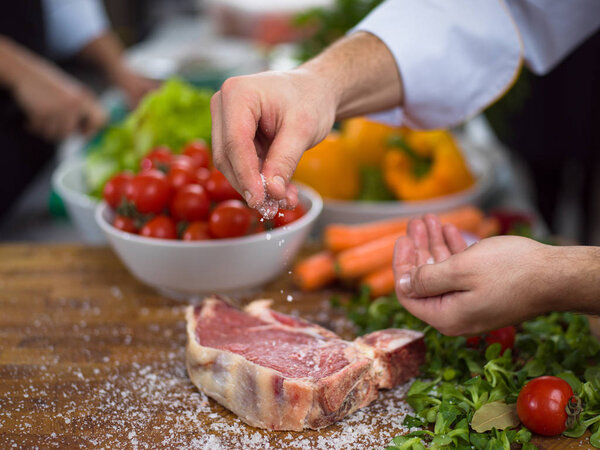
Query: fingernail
x=279, y=182
x=247, y=196
x=404, y=284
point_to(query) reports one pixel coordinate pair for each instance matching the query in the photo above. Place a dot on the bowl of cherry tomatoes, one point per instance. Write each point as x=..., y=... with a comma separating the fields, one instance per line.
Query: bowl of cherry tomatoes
x=180, y=227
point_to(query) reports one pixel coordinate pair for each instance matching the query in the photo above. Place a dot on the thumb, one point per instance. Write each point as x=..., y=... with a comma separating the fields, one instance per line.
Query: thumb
x=284, y=154
x=428, y=280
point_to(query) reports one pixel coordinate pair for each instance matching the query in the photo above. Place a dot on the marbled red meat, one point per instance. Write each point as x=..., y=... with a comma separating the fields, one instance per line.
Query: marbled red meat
x=283, y=373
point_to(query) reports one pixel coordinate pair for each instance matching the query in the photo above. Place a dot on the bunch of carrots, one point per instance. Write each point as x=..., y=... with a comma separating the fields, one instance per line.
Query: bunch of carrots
x=363, y=254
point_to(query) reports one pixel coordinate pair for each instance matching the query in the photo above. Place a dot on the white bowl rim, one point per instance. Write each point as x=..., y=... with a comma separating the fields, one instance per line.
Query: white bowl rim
x=310, y=216
x=69, y=194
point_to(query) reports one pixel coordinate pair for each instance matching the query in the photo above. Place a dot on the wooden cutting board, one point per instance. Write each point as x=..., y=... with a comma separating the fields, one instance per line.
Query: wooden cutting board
x=89, y=357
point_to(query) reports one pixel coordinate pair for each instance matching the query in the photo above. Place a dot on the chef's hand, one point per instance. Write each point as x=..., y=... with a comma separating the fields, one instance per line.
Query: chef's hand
x=55, y=104
x=133, y=85
x=496, y=282
x=263, y=123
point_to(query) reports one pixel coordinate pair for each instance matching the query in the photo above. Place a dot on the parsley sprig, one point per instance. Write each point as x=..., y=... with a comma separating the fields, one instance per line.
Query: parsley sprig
x=456, y=380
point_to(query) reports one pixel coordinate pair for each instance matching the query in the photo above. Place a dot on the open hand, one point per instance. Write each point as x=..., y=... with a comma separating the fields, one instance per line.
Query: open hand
x=460, y=291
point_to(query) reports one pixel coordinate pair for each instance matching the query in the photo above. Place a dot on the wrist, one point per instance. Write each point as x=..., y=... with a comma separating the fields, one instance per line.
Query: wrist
x=573, y=275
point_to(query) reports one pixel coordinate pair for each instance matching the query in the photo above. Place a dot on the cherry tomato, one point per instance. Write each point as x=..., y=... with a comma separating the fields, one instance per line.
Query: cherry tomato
x=161, y=227
x=181, y=173
x=160, y=158
x=542, y=405
x=286, y=216
x=196, y=231
x=202, y=176
x=219, y=189
x=505, y=336
x=114, y=189
x=230, y=219
x=124, y=224
x=190, y=203
x=149, y=191
x=198, y=151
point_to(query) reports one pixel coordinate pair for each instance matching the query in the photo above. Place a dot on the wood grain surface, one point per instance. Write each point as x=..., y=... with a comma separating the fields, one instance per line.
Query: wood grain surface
x=91, y=358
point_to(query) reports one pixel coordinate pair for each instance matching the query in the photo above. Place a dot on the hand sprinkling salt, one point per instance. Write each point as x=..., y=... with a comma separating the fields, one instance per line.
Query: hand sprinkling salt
x=268, y=209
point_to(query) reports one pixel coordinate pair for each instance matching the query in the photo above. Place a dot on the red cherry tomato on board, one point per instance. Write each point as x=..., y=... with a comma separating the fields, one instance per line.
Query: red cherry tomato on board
x=124, y=224
x=160, y=158
x=286, y=216
x=196, y=231
x=504, y=336
x=114, y=189
x=161, y=227
x=542, y=405
x=149, y=191
x=198, y=152
x=230, y=219
x=219, y=189
x=190, y=203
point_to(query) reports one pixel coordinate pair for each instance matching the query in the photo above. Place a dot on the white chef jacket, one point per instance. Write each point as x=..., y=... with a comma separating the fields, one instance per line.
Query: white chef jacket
x=72, y=24
x=456, y=57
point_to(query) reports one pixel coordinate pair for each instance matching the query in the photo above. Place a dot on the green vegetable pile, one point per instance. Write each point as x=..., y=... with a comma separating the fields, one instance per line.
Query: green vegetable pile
x=462, y=389
x=171, y=116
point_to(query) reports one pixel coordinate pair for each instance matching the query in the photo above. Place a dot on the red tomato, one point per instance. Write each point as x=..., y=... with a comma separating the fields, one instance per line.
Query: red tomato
x=114, y=189
x=202, y=176
x=160, y=158
x=542, y=405
x=124, y=224
x=505, y=336
x=149, y=191
x=196, y=231
x=286, y=216
x=161, y=227
x=181, y=173
x=198, y=151
x=230, y=219
x=190, y=203
x=219, y=189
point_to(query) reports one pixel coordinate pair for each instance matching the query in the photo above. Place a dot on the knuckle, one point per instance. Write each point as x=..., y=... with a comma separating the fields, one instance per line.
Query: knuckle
x=287, y=163
x=231, y=85
x=421, y=281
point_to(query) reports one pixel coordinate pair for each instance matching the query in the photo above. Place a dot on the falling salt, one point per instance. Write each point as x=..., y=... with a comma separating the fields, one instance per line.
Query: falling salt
x=281, y=242
x=268, y=236
x=269, y=207
x=289, y=298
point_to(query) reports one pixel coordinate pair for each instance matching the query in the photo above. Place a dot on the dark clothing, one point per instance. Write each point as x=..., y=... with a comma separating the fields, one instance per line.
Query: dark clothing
x=23, y=153
x=559, y=124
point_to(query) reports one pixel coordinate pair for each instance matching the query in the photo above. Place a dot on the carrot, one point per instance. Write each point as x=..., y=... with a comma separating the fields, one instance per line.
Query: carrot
x=341, y=237
x=363, y=259
x=380, y=282
x=315, y=272
x=490, y=226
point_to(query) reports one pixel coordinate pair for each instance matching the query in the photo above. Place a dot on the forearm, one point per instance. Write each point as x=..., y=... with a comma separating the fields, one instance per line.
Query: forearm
x=574, y=276
x=16, y=62
x=362, y=74
x=105, y=51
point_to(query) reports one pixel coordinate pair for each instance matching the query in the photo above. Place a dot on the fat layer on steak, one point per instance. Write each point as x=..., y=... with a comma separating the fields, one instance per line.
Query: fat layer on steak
x=283, y=373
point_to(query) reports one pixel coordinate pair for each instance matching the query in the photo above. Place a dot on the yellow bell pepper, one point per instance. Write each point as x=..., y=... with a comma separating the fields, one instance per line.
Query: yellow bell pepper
x=366, y=141
x=328, y=170
x=426, y=165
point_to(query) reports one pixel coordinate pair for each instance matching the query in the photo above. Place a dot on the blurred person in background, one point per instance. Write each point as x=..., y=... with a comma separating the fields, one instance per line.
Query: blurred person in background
x=40, y=104
x=424, y=64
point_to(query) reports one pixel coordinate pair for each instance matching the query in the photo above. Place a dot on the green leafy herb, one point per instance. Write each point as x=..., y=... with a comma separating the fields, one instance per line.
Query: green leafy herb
x=458, y=382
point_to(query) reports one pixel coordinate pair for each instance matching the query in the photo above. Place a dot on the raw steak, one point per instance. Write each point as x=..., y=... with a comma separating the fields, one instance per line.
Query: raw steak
x=282, y=373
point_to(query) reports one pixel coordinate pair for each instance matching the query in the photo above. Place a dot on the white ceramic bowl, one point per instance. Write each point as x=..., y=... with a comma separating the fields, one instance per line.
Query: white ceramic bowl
x=68, y=182
x=186, y=270
x=481, y=163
